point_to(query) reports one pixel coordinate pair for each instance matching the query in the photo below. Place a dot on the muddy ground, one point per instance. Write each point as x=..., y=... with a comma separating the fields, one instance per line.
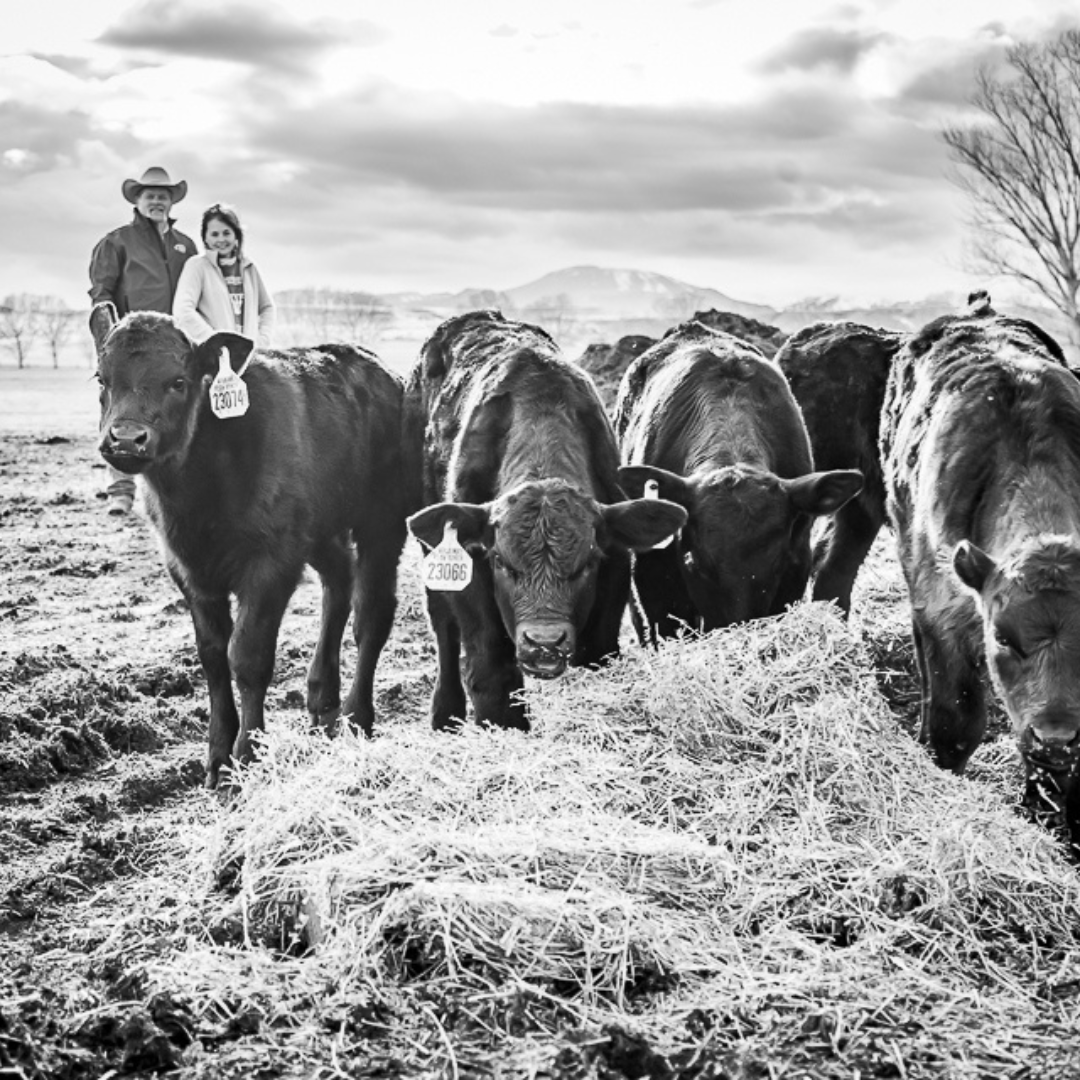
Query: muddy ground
x=102, y=729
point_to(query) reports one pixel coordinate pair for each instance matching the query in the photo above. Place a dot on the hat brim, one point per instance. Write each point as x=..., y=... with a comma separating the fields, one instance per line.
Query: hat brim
x=132, y=189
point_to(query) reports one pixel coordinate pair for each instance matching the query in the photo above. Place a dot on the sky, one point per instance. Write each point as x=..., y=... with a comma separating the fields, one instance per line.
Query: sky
x=771, y=150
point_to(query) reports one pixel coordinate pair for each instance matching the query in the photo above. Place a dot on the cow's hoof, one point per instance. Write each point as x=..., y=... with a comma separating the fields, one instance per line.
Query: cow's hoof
x=329, y=721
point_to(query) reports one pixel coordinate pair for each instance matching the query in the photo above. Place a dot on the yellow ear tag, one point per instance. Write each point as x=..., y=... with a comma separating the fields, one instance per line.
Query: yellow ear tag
x=228, y=394
x=652, y=491
x=447, y=567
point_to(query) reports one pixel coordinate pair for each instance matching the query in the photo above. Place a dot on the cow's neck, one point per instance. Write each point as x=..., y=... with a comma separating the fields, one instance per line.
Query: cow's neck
x=1042, y=502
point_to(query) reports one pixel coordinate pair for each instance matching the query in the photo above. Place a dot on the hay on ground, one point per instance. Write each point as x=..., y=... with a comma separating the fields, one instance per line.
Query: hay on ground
x=725, y=847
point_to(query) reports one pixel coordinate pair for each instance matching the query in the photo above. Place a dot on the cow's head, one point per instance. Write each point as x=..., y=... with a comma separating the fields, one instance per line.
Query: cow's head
x=544, y=541
x=153, y=381
x=1030, y=608
x=745, y=550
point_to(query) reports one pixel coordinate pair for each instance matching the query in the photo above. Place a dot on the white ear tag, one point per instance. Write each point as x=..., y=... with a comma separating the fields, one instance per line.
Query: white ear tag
x=448, y=567
x=652, y=491
x=228, y=394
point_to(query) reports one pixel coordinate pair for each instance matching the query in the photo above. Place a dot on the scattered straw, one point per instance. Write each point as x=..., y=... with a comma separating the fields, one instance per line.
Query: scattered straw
x=724, y=849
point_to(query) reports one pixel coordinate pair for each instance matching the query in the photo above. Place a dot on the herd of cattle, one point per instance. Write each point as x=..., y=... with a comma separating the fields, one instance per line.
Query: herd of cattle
x=541, y=516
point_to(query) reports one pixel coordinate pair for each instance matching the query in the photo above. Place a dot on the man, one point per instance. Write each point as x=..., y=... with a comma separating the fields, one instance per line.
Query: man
x=136, y=268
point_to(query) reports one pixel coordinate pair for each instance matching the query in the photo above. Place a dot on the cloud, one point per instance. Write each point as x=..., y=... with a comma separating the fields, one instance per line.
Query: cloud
x=86, y=68
x=37, y=139
x=947, y=77
x=822, y=47
x=261, y=36
x=556, y=156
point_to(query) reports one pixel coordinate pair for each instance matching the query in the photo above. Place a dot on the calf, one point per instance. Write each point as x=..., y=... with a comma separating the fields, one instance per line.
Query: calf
x=980, y=444
x=712, y=423
x=519, y=458
x=241, y=503
x=838, y=373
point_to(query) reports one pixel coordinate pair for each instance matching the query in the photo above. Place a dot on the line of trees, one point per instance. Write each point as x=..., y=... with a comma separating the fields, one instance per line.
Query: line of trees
x=29, y=322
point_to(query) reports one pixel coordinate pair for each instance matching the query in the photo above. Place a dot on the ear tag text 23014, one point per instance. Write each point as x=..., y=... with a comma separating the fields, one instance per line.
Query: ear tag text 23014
x=228, y=394
x=652, y=491
x=448, y=567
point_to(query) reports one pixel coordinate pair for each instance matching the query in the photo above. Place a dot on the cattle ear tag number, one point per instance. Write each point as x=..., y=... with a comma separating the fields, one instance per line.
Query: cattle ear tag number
x=447, y=567
x=228, y=394
x=652, y=491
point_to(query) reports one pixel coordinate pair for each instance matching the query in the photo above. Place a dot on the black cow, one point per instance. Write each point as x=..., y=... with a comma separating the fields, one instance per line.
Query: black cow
x=980, y=445
x=713, y=424
x=838, y=373
x=520, y=459
x=241, y=504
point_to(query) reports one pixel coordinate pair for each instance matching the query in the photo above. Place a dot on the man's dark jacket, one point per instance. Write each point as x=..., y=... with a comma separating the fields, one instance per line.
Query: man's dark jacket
x=137, y=268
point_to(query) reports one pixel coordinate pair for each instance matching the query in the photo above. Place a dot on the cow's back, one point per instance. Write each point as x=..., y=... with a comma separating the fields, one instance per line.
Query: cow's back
x=973, y=404
x=701, y=396
x=838, y=373
x=491, y=401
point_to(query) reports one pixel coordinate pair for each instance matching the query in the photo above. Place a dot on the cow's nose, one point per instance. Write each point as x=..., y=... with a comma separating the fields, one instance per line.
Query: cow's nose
x=1056, y=738
x=129, y=434
x=547, y=639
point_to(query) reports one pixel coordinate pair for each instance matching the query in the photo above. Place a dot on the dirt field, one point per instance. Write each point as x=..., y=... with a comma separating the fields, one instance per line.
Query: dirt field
x=102, y=729
x=103, y=725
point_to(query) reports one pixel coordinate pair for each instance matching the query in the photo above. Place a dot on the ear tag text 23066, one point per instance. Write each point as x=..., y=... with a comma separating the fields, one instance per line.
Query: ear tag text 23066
x=652, y=491
x=447, y=567
x=228, y=394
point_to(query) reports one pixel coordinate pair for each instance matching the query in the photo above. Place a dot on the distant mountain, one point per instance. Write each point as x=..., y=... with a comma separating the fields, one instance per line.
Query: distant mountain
x=906, y=315
x=594, y=292
x=581, y=305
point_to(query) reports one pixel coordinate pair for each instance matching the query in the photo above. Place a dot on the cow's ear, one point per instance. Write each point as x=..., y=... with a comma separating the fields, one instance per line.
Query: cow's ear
x=208, y=352
x=641, y=524
x=633, y=478
x=102, y=320
x=972, y=565
x=470, y=519
x=824, y=492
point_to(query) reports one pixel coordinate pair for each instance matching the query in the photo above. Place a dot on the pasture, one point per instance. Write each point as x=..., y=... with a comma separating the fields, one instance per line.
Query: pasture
x=726, y=859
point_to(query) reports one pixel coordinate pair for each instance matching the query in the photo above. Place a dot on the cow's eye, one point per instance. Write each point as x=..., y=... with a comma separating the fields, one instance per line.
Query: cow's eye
x=583, y=569
x=500, y=564
x=179, y=384
x=1005, y=641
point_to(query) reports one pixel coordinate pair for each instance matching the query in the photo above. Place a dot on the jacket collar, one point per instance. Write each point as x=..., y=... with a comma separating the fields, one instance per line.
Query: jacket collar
x=212, y=258
x=143, y=222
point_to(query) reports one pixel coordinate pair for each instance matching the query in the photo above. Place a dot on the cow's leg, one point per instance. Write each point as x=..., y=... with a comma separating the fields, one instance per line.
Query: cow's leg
x=494, y=680
x=599, y=638
x=448, y=704
x=334, y=563
x=260, y=607
x=953, y=693
x=662, y=595
x=213, y=628
x=374, y=603
x=492, y=675
x=851, y=536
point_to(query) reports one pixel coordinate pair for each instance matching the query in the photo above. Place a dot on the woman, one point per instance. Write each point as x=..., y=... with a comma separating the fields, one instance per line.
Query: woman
x=221, y=289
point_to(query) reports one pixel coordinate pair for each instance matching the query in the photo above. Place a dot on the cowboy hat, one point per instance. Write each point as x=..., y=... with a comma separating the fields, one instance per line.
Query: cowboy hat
x=155, y=176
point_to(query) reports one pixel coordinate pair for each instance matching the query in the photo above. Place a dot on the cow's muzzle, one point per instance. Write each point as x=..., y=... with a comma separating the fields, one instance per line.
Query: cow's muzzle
x=126, y=446
x=1055, y=751
x=544, y=649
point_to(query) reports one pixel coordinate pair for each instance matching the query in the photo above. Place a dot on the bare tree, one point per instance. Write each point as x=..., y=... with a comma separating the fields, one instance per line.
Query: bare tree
x=1020, y=166
x=56, y=322
x=364, y=317
x=19, y=324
